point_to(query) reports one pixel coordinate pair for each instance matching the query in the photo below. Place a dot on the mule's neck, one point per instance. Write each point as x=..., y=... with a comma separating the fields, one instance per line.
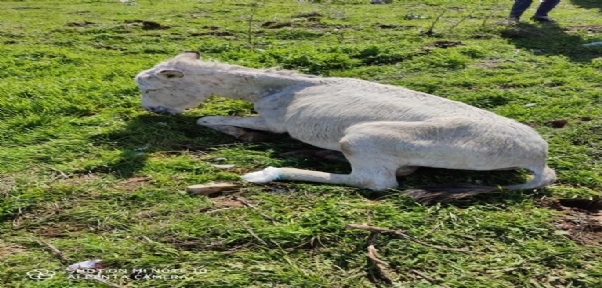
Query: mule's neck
x=252, y=84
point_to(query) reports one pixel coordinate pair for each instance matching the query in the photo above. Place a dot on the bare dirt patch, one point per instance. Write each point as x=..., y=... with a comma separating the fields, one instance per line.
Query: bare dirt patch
x=58, y=230
x=222, y=203
x=308, y=25
x=151, y=35
x=586, y=28
x=393, y=26
x=214, y=33
x=147, y=25
x=582, y=221
x=558, y=123
x=8, y=249
x=480, y=36
x=74, y=180
x=227, y=202
x=26, y=8
x=210, y=27
x=276, y=25
x=323, y=26
x=133, y=184
x=491, y=63
x=80, y=24
x=147, y=214
x=7, y=184
x=447, y=44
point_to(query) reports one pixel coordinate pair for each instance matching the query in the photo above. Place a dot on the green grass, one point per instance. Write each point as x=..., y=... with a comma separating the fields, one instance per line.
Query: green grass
x=85, y=168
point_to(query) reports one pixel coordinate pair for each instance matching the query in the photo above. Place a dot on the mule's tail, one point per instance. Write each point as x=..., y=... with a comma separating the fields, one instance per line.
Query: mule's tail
x=543, y=177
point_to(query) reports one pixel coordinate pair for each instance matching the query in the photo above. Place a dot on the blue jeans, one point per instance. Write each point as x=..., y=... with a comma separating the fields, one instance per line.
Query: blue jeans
x=520, y=6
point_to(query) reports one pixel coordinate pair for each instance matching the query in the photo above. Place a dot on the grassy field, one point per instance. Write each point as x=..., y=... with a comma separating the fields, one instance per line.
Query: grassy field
x=84, y=169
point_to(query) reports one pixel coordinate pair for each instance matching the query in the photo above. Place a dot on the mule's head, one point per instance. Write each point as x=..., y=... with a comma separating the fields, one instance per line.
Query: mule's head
x=172, y=86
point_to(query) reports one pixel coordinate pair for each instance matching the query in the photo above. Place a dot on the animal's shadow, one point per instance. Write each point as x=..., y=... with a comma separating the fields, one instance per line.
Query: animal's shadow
x=550, y=39
x=148, y=133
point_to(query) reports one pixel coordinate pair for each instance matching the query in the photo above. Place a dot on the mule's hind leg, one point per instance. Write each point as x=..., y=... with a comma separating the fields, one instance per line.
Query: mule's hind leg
x=370, y=168
x=362, y=177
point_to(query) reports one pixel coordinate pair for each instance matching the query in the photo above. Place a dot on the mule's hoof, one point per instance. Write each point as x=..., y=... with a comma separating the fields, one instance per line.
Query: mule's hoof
x=266, y=175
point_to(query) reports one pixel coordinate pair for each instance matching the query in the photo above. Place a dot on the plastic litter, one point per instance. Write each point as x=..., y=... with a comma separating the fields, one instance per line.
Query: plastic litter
x=89, y=264
x=223, y=166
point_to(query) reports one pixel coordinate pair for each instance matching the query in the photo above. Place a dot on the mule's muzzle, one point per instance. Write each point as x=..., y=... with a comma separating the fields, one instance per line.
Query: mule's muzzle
x=160, y=110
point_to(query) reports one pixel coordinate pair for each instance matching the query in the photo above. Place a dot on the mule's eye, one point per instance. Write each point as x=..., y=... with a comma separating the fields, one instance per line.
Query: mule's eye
x=170, y=74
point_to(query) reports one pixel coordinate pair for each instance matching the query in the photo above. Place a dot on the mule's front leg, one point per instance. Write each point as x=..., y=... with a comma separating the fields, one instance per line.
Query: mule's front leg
x=234, y=126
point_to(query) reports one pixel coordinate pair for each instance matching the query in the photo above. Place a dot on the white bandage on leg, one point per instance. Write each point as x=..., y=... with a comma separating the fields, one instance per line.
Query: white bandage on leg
x=266, y=175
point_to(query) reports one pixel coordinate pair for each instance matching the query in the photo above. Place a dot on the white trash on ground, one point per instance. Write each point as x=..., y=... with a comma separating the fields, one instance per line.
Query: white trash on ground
x=89, y=264
x=223, y=166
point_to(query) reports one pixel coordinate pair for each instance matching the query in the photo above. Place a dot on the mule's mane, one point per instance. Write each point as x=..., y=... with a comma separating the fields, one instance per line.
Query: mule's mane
x=216, y=66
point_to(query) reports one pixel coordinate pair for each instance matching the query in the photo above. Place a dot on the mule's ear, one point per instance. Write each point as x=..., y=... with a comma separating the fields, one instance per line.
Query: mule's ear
x=192, y=55
x=170, y=73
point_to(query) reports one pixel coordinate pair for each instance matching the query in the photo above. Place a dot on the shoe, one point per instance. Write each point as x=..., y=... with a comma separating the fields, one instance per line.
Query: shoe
x=543, y=19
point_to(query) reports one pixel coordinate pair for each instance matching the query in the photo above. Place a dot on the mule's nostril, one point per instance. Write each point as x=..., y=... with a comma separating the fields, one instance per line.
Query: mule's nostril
x=149, y=109
x=163, y=112
x=159, y=110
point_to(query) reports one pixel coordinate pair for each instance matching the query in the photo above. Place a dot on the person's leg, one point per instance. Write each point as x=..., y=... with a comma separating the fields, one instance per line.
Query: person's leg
x=542, y=11
x=519, y=7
